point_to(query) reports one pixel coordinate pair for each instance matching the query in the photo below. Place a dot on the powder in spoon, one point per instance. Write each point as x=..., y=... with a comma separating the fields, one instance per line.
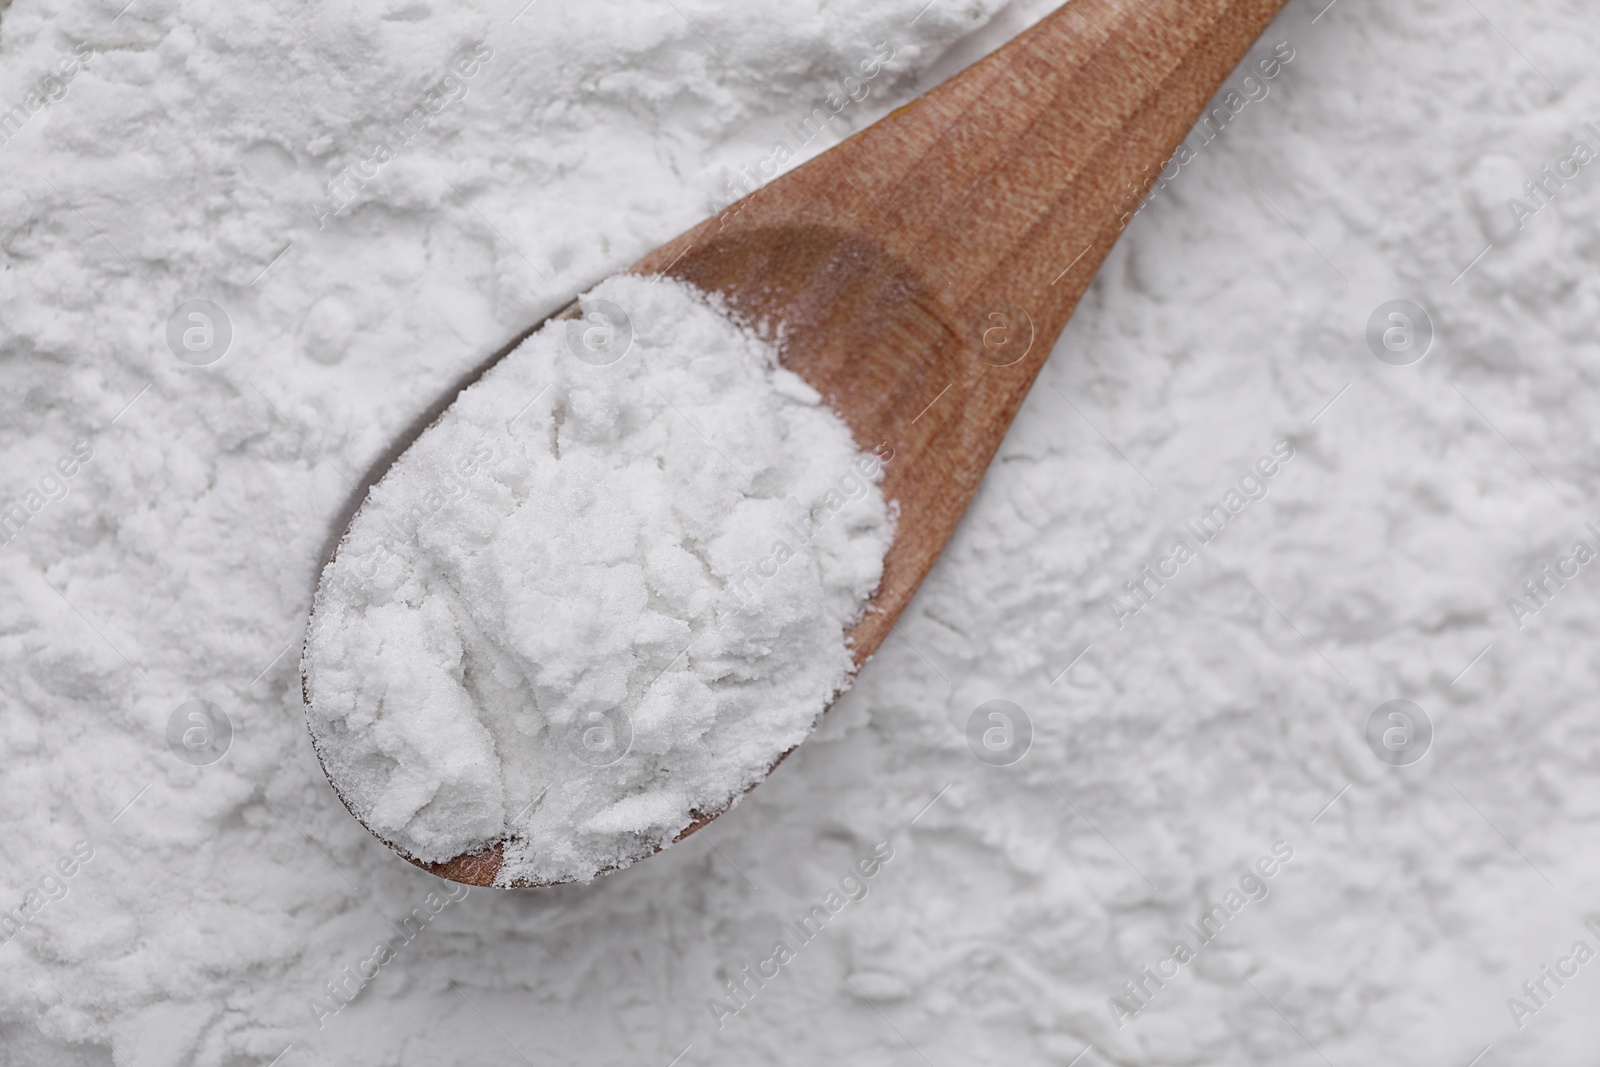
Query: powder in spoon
x=603, y=593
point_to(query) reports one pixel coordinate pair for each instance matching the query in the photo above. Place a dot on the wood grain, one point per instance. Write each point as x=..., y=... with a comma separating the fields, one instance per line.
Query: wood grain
x=999, y=193
x=922, y=270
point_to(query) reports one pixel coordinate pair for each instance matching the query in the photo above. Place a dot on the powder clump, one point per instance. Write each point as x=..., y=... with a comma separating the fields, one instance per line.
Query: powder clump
x=601, y=595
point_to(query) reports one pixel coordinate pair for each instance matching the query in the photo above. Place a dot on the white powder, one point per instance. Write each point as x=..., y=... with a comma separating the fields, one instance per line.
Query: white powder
x=601, y=596
x=231, y=911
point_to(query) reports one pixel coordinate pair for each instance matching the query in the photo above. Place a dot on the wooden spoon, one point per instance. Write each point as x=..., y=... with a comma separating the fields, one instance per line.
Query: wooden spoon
x=923, y=269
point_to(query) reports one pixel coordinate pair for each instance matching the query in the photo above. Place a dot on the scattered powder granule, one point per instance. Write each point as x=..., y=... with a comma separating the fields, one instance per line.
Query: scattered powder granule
x=601, y=595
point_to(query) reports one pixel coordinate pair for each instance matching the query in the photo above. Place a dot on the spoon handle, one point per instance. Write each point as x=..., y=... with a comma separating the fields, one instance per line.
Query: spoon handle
x=999, y=180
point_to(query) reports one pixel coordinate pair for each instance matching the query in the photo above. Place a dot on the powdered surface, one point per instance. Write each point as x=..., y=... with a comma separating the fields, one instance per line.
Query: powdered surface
x=1228, y=714
x=567, y=620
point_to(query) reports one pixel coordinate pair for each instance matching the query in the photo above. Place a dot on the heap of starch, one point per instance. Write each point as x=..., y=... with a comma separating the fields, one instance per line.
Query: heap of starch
x=600, y=596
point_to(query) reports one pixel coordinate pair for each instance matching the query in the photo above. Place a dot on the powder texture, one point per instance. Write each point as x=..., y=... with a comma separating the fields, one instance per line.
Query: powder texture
x=603, y=594
x=232, y=914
